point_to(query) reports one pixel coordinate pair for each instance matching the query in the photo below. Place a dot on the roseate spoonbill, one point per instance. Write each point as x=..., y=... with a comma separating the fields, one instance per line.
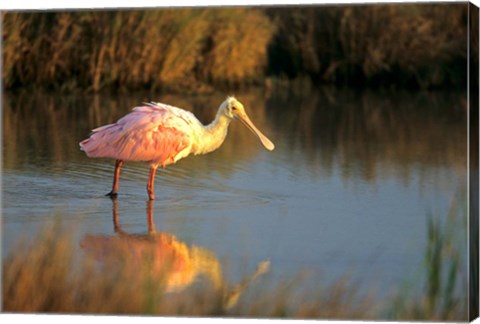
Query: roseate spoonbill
x=161, y=134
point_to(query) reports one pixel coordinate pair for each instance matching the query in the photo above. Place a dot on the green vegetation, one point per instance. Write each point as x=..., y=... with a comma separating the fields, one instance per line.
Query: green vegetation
x=443, y=270
x=200, y=49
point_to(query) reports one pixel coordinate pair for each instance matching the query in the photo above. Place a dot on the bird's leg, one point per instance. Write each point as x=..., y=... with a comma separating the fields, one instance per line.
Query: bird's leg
x=116, y=175
x=151, y=180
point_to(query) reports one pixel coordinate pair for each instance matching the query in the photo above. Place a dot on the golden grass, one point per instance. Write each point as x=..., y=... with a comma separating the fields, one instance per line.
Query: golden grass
x=199, y=49
x=157, y=49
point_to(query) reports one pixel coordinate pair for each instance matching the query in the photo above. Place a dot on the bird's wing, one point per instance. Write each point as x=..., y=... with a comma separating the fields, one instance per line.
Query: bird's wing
x=153, y=107
x=150, y=133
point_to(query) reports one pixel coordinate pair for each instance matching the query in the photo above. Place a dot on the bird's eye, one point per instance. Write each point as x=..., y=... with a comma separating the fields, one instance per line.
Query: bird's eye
x=234, y=108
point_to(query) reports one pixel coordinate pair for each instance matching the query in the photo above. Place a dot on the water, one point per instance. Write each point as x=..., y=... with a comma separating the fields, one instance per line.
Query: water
x=347, y=191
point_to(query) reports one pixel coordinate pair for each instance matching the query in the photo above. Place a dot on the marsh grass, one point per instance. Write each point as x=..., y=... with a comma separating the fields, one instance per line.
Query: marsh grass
x=444, y=271
x=157, y=49
x=201, y=49
x=405, y=45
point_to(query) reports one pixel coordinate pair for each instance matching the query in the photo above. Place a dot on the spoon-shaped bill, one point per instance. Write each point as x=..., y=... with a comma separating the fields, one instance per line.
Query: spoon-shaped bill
x=247, y=122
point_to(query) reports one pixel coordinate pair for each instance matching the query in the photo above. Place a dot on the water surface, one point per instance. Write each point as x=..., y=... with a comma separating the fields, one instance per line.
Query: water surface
x=348, y=189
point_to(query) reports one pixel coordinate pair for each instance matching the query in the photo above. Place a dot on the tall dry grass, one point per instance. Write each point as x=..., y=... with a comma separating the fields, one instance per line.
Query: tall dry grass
x=187, y=49
x=405, y=45
x=197, y=49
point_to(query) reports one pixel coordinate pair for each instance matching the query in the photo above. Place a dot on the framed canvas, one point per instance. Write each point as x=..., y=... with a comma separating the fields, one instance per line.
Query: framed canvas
x=294, y=161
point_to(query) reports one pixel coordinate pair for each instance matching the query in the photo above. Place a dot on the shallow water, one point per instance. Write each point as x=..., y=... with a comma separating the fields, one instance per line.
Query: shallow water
x=347, y=191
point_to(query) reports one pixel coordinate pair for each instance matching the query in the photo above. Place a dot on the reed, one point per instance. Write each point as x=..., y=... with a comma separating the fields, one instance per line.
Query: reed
x=404, y=45
x=445, y=270
x=200, y=49
x=168, y=49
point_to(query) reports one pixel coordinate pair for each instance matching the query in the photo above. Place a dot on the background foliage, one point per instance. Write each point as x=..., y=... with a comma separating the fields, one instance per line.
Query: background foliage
x=199, y=49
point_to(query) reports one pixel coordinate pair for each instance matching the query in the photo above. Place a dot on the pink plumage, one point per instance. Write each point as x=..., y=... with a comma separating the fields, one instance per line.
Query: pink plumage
x=155, y=134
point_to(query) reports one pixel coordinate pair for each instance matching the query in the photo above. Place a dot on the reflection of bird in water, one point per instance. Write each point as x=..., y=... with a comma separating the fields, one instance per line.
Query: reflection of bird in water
x=170, y=261
x=160, y=134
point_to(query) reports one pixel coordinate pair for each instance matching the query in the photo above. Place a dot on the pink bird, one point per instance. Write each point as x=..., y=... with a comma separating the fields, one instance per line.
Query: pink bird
x=159, y=134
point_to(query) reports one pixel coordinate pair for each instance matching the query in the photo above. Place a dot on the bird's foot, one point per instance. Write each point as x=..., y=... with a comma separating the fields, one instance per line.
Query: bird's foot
x=112, y=194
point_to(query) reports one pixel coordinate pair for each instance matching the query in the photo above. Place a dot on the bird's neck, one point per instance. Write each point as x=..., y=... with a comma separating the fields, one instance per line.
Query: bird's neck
x=213, y=134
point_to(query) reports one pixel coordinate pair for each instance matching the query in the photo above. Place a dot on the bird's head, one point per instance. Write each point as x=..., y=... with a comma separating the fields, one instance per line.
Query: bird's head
x=233, y=109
